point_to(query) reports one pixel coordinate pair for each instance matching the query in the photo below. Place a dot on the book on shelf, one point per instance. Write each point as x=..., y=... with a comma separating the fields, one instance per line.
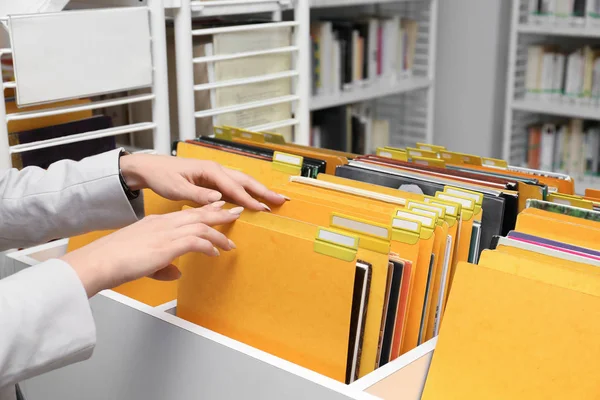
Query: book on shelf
x=560, y=74
x=571, y=147
x=562, y=12
x=347, y=54
x=349, y=128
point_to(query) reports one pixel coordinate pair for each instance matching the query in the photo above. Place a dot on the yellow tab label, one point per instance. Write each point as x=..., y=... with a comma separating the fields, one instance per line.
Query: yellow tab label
x=288, y=163
x=429, y=162
x=494, y=162
x=405, y=230
x=391, y=153
x=222, y=133
x=451, y=158
x=476, y=196
x=572, y=201
x=275, y=138
x=430, y=147
x=421, y=153
x=252, y=136
x=336, y=244
x=373, y=236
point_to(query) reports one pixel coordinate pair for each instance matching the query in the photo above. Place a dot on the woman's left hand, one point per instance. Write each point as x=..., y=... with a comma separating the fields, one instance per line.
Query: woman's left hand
x=199, y=181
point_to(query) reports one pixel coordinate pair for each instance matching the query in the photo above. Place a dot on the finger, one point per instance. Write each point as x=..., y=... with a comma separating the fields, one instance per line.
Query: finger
x=255, y=188
x=207, y=216
x=232, y=189
x=205, y=232
x=191, y=244
x=186, y=190
x=169, y=273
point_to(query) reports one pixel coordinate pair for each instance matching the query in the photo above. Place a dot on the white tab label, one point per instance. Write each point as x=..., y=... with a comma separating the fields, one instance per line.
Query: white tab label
x=286, y=158
x=455, y=192
x=385, y=154
x=404, y=224
x=466, y=203
x=360, y=226
x=337, y=238
x=426, y=221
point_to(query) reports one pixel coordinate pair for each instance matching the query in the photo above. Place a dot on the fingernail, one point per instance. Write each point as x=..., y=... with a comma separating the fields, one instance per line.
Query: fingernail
x=266, y=207
x=237, y=210
x=214, y=196
x=218, y=204
x=232, y=245
x=216, y=252
x=285, y=197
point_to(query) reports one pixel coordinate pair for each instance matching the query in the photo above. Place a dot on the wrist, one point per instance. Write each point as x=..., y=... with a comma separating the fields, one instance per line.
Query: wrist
x=130, y=171
x=90, y=275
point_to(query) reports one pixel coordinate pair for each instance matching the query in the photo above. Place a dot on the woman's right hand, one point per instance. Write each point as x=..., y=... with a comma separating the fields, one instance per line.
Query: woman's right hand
x=147, y=247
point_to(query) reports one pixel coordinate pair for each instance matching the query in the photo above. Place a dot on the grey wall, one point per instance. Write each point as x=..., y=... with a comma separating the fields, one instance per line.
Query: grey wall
x=470, y=83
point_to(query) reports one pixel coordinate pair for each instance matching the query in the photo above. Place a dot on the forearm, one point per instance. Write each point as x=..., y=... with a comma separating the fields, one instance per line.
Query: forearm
x=46, y=322
x=69, y=198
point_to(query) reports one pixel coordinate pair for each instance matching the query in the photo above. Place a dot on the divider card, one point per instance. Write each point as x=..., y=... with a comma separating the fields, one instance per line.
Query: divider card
x=547, y=242
x=509, y=337
x=245, y=294
x=371, y=187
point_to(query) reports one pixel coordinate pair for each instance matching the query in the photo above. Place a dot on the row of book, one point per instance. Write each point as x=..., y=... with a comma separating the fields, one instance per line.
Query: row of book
x=351, y=272
x=556, y=74
x=348, y=54
x=349, y=128
x=571, y=147
x=564, y=12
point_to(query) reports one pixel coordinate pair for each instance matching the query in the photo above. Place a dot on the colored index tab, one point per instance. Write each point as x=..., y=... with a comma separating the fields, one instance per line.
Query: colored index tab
x=439, y=210
x=430, y=147
x=494, y=162
x=336, y=244
x=288, y=163
x=222, y=133
x=467, y=204
x=451, y=158
x=421, y=153
x=429, y=162
x=452, y=208
x=272, y=137
x=569, y=200
x=476, y=196
x=253, y=136
x=392, y=153
x=374, y=236
x=428, y=223
x=406, y=230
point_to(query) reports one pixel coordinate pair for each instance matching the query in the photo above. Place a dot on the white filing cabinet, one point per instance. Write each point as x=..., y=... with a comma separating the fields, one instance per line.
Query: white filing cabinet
x=148, y=353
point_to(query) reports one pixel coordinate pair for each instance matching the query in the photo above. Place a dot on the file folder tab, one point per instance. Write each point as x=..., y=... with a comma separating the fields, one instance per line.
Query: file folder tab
x=275, y=138
x=373, y=236
x=405, y=230
x=222, y=133
x=569, y=200
x=430, y=147
x=394, y=154
x=412, y=152
x=288, y=163
x=336, y=244
x=494, y=162
x=427, y=222
x=429, y=162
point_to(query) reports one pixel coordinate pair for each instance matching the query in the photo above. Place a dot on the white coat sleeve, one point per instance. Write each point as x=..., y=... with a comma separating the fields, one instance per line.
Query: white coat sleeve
x=67, y=199
x=46, y=322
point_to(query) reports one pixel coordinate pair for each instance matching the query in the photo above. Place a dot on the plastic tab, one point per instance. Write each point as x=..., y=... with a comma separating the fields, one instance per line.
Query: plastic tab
x=336, y=244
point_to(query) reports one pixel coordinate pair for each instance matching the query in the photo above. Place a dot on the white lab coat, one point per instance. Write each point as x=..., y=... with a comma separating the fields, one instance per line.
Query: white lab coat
x=45, y=318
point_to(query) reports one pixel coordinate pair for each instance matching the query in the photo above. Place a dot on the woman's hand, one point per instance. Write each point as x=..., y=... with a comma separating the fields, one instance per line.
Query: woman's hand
x=199, y=181
x=147, y=247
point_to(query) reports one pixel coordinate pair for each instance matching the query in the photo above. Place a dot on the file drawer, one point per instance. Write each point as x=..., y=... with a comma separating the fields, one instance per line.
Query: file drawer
x=148, y=353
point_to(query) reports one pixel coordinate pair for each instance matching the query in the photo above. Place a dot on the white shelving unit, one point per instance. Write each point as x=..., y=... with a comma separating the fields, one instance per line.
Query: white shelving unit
x=407, y=102
x=83, y=81
x=521, y=111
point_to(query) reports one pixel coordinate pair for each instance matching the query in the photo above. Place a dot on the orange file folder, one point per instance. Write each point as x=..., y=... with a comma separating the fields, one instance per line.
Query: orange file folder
x=332, y=161
x=562, y=217
x=293, y=301
x=148, y=291
x=509, y=337
x=269, y=173
x=551, y=228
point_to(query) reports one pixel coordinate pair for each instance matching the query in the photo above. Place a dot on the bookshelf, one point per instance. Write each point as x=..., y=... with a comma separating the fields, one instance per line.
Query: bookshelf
x=524, y=107
x=405, y=101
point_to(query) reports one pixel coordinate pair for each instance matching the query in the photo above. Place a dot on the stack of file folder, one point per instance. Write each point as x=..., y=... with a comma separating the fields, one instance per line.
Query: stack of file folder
x=370, y=256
